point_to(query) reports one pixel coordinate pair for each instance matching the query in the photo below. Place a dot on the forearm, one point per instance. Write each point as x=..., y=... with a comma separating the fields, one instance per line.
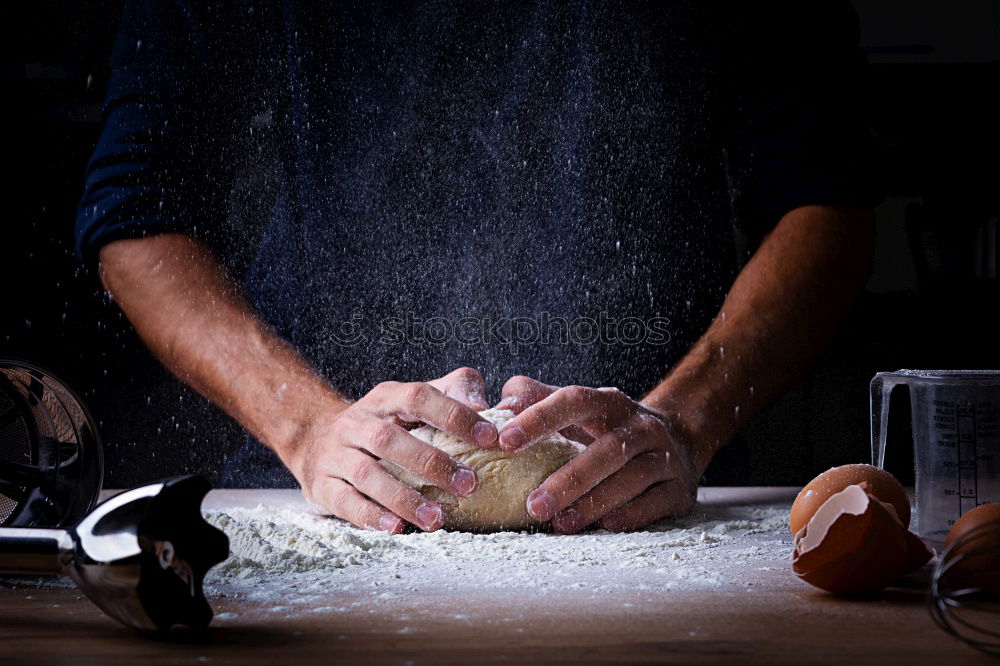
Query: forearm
x=194, y=318
x=781, y=312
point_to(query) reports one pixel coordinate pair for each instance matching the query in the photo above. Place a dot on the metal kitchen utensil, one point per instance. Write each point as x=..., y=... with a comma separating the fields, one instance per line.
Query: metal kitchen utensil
x=960, y=608
x=51, y=461
x=141, y=555
x=956, y=441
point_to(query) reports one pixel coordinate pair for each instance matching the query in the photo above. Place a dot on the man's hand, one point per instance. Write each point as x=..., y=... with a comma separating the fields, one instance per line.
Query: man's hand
x=635, y=469
x=196, y=320
x=336, y=457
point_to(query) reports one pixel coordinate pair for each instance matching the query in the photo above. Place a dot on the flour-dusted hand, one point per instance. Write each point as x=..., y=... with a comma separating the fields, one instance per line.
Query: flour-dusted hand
x=635, y=469
x=336, y=457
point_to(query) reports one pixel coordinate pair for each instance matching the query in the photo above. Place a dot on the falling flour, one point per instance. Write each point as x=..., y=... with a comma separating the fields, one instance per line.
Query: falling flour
x=284, y=554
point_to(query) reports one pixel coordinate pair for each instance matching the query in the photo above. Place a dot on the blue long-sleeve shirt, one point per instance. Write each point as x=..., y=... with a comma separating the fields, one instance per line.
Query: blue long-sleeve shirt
x=526, y=188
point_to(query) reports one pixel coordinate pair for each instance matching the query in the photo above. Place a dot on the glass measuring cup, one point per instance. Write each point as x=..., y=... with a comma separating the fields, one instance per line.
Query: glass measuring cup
x=956, y=441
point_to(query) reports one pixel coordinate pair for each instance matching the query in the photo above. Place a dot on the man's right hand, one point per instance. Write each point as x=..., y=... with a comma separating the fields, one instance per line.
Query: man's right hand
x=336, y=456
x=195, y=318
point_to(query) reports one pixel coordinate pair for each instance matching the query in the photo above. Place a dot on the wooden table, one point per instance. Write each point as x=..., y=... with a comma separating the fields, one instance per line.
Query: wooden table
x=777, y=619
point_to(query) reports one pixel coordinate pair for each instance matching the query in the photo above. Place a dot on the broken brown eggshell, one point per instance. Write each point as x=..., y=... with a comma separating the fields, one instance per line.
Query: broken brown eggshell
x=917, y=552
x=855, y=544
x=873, y=480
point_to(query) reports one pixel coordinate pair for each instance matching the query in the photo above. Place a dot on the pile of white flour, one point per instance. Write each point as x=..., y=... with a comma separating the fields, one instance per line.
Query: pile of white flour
x=290, y=556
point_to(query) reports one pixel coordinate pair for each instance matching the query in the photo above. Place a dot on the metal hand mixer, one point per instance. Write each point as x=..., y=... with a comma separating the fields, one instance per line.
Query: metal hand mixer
x=141, y=556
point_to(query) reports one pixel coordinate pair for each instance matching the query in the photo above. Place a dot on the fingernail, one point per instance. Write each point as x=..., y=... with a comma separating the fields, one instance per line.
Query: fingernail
x=541, y=505
x=511, y=439
x=390, y=523
x=429, y=516
x=567, y=521
x=464, y=481
x=484, y=434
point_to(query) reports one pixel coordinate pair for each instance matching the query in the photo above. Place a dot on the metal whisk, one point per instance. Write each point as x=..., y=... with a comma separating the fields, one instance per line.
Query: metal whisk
x=965, y=603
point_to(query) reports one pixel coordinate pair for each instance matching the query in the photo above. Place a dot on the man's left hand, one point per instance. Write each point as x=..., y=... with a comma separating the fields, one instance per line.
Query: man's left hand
x=634, y=470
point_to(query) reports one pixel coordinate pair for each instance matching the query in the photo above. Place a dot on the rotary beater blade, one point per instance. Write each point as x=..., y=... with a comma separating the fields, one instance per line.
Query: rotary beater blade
x=141, y=556
x=51, y=458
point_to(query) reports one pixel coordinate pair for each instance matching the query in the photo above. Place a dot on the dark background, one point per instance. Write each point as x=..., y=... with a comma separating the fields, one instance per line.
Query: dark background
x=932, y=300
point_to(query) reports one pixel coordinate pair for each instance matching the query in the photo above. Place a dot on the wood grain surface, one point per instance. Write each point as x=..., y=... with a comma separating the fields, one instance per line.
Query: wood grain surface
x=772, y=619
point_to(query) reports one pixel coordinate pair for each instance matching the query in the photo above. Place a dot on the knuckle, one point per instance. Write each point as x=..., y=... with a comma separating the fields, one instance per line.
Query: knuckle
x=415, y=394
x=576, y=395
x=382, y=435
x=361, y=470
x=574, y=479
x=385, y=387
x=467, y=373
x=619, y=446
x=400, y=497
x=368, y=516
x=454, y=419
x=647, y=421
x=586, y=505
x=429, y=461
x=517, y=384
x=349, y=418
x=600, y=506
x=613, y=392
x=618, y=438
x=340, y=499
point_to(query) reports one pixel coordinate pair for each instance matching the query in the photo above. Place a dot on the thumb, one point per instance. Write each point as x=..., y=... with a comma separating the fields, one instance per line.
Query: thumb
x=520, y=392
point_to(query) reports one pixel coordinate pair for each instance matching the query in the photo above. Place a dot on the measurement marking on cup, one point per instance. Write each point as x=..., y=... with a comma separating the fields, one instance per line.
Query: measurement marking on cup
x=965, y=428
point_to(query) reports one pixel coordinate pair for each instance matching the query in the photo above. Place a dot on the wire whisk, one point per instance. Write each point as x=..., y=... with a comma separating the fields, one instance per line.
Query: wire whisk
x=965, y=588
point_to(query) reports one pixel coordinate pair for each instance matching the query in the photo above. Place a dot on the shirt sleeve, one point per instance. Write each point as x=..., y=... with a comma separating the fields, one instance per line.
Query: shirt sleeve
x=796, y=135
x=152, y=168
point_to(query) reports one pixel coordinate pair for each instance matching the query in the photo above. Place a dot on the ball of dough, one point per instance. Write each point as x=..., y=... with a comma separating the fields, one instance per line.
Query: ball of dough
x=505, y=479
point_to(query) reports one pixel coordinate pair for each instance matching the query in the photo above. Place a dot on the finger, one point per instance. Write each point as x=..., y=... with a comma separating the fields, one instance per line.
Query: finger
x=465, y=385
x=419, y=401
x=608, y=454
x=566, y=406
x=340, y=499
x=370, y=478
x=520, y=392
x=669, y=499
x=628, y=483
x=574, y=432
x=391, y=442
